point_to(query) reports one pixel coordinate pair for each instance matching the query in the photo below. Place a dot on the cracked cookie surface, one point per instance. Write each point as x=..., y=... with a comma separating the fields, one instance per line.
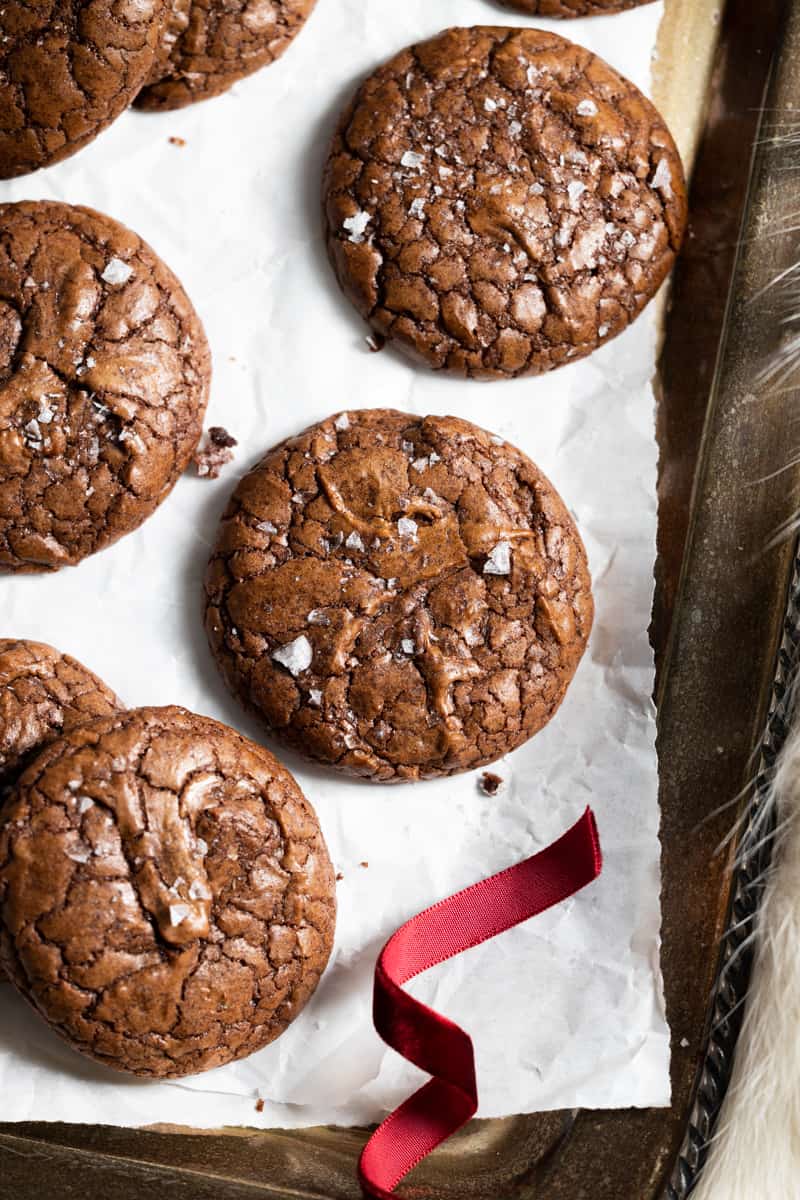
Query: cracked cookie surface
x=571, y=8
x=166, y=895
x=500, y=201
x=68, y=68
x=208, y=44
x=43, y=693
x=398, y=597
x=104, y=375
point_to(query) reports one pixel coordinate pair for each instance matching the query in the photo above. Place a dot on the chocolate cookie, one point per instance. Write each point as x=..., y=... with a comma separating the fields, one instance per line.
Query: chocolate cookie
x=398, y=597
x=572, y=8
x=104, y=374
x=208, y=44
x=166, y=896
x=43, y=693
x=68, y=68
x=500, y=201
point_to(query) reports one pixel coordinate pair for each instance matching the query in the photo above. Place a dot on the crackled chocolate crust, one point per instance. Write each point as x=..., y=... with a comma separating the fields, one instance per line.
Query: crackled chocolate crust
x=208, y=44
x=104, y=374
x=571, y=8
x=43, y=693
x=166, y=895
x=500, y=201
x=68, y=68
x=398, y=597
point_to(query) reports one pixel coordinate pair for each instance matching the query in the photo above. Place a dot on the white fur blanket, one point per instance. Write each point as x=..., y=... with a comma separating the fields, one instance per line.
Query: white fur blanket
x=755, y=1153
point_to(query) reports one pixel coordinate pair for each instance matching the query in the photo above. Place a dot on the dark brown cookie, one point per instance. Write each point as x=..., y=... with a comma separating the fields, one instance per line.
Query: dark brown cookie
x=208, y=44
x=500, y=201
x=572, y=8
x=68, y=68
x=399, y=597
x=43, y=694
x=104, y=374
x=166, y=896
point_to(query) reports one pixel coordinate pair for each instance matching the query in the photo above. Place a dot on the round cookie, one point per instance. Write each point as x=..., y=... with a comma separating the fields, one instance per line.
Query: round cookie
x=500, y=201
x=166, y=897
x=207, y=45
x=43, y=693
x=571, y=8
x=68, y=68
x=398, y=597
x=104, y=375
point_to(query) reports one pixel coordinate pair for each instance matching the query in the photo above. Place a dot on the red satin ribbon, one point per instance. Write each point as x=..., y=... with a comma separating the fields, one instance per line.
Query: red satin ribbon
x=430, y=1040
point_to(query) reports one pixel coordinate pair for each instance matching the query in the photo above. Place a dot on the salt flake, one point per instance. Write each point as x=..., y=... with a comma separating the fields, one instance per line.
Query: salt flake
x=356, y=225
x=499, y=560
x=295, y=656
x=587, y=108
x=662, y=178
x=575, y=190
x=411, y=159
x=117, y=271
x=178, y=913
x=406, y=527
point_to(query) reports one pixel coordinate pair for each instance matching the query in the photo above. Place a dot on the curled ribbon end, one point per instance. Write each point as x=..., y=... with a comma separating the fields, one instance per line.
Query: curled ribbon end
x=431, y=1041
x=597, y=853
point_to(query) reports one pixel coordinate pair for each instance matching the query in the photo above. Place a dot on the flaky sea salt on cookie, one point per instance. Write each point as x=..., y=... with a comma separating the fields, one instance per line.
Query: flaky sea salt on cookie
x=499, y=202
x=68, y=68
x=43, y=693
x=104, y=376
x=398, y=597
x=206, y=45
x=167, y=903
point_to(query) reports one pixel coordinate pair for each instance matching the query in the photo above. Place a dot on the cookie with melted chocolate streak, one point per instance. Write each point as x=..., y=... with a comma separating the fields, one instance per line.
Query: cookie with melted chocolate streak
x=43, y=694
x=571, y=8
x=166, y=898
x=398, y=597
x=499, y=202
x=207, y=45
x=68, y=68
x=104, y=376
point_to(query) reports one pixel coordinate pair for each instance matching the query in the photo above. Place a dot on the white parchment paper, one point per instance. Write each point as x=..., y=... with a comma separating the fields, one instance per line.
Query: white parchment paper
x=565, y=1010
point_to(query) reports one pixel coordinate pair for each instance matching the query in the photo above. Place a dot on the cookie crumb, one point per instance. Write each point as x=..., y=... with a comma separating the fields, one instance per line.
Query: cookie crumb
x=491, y=784
x=259, y=1101
x=339, y=876
x=363, y=864
x=375, y=341
x=179, y=141
x=214, y=452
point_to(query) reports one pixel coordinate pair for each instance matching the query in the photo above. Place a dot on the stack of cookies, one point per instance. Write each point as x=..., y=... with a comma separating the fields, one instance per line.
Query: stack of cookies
x=167, y=899
x=396, y=597
x=68, y=68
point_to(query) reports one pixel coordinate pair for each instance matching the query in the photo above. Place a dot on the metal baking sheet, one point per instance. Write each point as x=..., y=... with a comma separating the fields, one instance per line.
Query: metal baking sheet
x=717, y=624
